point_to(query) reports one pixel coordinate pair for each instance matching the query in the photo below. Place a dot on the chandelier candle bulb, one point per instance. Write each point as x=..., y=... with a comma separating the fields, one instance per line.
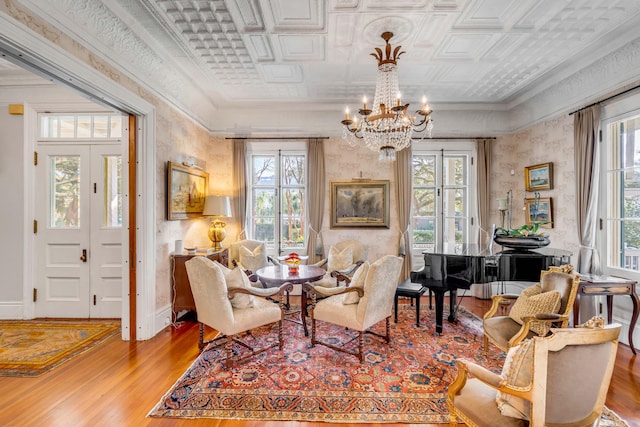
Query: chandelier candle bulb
x=364, y=103
x=398, y=100
x=346, y=113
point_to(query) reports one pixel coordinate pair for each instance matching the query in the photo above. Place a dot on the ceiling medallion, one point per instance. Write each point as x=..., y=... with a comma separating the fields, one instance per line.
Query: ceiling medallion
x=387, y=128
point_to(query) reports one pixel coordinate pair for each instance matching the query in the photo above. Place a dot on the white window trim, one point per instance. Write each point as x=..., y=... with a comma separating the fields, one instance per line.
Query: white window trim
x=466, y=147
x=259, y=147
x=611, y=113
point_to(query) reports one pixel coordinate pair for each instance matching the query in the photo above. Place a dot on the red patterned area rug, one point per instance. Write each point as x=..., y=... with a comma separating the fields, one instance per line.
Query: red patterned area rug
x=403, y=382
x=30, y=348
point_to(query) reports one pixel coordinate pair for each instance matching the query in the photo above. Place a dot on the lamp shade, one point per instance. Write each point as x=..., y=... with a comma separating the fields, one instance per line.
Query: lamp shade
x=217, y=206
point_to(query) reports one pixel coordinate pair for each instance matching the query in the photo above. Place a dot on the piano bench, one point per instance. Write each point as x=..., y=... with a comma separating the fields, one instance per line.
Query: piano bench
x=413, y=291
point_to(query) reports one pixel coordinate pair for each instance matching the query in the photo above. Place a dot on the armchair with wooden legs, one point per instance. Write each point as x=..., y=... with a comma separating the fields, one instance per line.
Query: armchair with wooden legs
x=344, y=258
x=560, y=380
x=507, y=331
x=367, y=301
x=226, y=302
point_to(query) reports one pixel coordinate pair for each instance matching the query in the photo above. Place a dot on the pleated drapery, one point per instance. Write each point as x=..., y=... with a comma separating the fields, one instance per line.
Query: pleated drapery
x=484, y=191
x=240, y=186
x=587, y=157
x=402, y=170
x=316, y=197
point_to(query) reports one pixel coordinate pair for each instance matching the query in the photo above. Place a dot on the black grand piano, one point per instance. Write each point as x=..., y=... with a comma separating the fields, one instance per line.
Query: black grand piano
x=449, y=269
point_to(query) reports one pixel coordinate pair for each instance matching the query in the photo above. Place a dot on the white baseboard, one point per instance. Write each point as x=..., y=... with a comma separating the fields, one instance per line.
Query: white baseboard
x=162, y=319
x=11, y=310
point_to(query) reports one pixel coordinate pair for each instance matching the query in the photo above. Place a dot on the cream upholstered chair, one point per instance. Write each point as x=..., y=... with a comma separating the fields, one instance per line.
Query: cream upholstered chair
x=534, y=311
x=250, y=255
x=343, y=259
x=226, y=302
x=367, y=301
x=558, y=380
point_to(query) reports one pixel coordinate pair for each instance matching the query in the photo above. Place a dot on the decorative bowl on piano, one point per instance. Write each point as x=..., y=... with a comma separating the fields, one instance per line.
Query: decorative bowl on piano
x=524, y=237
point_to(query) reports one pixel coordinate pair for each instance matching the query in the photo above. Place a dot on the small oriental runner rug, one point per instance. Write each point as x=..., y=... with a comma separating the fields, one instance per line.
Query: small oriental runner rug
x=30, y=348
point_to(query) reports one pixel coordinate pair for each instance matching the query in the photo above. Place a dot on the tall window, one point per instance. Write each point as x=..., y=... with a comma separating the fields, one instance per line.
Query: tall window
x=622, y=195
x=443, y=202
x=278, y=196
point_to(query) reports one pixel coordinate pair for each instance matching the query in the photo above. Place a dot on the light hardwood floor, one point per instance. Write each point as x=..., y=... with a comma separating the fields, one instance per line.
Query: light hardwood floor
x=117, y=384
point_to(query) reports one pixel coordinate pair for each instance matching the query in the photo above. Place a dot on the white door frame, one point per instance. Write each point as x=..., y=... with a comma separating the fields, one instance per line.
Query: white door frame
x=40, y=55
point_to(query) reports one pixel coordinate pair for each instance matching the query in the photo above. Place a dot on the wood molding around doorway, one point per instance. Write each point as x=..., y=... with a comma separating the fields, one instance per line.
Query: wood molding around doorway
x=132, y=227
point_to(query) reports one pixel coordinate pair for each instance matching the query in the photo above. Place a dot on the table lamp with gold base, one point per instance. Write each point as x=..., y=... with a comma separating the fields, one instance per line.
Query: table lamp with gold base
x=217, y=207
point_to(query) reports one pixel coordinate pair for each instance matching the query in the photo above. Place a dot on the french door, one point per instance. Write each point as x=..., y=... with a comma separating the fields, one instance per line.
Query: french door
x=443, y=203
x=78, y=238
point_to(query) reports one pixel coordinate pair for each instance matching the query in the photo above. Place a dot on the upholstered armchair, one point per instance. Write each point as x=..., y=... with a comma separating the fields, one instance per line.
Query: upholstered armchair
x=343, y=260
x=367, y=301
x=226, y=302
x=250, y=255
x=534, y=311
x=558, y=380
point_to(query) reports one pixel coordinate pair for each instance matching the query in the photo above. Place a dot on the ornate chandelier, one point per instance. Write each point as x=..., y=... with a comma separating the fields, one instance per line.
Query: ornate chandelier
x=387, y=128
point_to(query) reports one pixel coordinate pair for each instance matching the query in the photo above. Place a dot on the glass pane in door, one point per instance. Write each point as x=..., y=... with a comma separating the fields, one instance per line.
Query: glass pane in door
x=65, y=192
x=112, y=191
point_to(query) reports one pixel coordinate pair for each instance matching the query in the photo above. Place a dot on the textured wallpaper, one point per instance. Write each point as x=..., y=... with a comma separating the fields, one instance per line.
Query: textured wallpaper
x=549, y=141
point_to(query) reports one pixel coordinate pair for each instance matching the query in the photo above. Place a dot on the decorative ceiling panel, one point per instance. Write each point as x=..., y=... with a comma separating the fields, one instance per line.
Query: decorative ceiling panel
x=295, y=15
x=270, y=51
x=301, y=47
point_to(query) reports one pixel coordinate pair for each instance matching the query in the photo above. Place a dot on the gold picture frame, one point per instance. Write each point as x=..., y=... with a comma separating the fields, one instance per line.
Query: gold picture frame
x=538, y=177
x=542, y=214
x=360, y=203
x=186, y=190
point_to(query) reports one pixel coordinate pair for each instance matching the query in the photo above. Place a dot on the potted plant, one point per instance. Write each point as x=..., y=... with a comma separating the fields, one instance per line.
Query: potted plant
x=523, y=237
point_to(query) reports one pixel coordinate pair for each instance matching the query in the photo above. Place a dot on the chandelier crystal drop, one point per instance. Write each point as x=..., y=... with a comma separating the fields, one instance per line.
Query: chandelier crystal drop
x=387, y=128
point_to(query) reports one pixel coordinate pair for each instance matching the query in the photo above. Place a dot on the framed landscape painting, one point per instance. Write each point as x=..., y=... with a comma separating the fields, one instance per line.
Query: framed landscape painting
x=360, y=203
x=538, y=177
x=542, y=213
x=186, y=190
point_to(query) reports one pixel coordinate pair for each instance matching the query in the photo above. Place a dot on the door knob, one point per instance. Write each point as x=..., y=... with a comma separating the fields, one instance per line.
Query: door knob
x=84, y=255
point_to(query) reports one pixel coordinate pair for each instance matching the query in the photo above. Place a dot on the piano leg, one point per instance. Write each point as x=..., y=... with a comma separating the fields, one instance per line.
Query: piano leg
x=439, y=309
x=452, y=305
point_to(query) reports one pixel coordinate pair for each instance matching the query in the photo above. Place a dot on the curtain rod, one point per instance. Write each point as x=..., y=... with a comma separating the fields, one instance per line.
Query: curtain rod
x=606, y=99
x=326, y=137
x=280, y=138
x=415, y=138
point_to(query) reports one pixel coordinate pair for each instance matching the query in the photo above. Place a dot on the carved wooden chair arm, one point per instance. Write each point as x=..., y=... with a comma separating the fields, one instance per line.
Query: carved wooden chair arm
x=327, y=292
x=493, y=380
x=260, y=292
x=496, y=300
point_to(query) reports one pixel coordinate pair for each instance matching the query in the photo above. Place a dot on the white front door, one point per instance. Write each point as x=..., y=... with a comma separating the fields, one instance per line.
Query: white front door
x=78, y=239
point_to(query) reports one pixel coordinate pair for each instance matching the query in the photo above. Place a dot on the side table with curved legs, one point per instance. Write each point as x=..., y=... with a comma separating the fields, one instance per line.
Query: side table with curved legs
x=609, y=286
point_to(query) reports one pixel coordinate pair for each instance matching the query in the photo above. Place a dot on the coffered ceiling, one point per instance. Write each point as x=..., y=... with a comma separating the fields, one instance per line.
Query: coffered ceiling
x=224, y=61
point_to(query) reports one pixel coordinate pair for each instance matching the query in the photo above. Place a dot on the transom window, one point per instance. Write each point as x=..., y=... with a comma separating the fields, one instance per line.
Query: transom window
x=80, y=126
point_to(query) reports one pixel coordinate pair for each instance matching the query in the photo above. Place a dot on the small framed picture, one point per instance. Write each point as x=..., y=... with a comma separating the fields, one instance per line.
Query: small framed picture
x=538, y=177
x=540, y=212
